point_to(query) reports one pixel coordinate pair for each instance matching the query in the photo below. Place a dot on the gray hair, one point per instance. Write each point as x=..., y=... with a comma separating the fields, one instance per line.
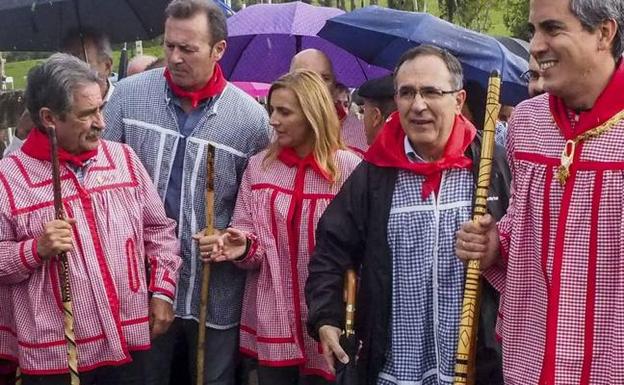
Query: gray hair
x=451, y=62
x=52, y=84
x=593, y=12
x=100, y=41
x=185, y=9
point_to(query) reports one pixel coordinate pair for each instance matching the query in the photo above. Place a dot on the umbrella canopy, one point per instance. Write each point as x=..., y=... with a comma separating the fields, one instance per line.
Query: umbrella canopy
x=518, y=46
x=41, y=25
x=381, y=35
x=263, y=38
x=254, y=89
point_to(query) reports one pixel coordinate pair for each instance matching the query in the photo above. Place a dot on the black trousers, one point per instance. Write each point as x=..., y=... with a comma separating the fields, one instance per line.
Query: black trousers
x=132, y=373
x=287, y=375
x=172, y=360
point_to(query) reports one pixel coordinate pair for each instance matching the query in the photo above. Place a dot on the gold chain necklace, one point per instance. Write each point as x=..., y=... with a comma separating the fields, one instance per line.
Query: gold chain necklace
x=567, y=156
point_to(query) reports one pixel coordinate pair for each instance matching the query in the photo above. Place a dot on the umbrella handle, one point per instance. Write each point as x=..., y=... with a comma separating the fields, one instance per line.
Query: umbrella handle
x=351, y=292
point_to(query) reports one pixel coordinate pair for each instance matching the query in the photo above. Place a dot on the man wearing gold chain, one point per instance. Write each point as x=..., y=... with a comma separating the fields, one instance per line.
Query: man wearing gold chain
x=557, y=257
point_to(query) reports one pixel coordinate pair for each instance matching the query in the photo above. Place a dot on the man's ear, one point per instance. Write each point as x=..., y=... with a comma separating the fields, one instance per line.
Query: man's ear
x=378, y=118
x=109, y=67
x=607, y=30
x=460, y=99
x=47, y=117
x=218, y=50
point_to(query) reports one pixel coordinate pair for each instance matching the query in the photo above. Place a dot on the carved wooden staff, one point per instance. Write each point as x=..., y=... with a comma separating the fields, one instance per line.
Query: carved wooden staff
x=203, y=310
x=465, y=362
x=68, y=315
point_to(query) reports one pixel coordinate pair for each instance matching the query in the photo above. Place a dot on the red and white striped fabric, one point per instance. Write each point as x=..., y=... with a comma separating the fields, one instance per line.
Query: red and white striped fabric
x=562, y=303
x=121, y=222
x=274, y=309
x=353, y=135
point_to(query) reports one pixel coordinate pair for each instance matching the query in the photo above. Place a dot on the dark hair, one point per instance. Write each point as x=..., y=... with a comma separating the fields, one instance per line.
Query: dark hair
x=451, y=62
x=99, y=39
x=52, y=84
x=593, y=12
x=185, y=9
x=386, y=106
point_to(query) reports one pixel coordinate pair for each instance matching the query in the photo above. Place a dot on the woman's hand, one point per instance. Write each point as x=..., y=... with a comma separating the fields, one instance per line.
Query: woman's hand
x=229, y=245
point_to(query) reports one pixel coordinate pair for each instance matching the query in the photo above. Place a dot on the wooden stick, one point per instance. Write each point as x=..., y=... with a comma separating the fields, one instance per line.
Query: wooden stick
x=469, y=322
x=203, y=310
x=68, y=315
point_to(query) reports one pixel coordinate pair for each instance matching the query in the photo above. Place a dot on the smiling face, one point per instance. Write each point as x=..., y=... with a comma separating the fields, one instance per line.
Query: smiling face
x=566, y=53
x=427, y=122
x=289, y=122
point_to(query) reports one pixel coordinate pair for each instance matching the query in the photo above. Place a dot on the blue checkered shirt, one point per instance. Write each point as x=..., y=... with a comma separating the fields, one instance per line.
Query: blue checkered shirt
x=427, y=277
x=141, y=114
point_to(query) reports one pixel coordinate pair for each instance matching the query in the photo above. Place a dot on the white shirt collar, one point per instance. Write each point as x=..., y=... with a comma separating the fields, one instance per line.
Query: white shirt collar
x=109, y=93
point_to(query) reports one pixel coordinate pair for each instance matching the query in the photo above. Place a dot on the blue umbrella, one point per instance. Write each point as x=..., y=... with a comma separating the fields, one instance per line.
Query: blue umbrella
x=41, y=25
x=381, y=35
x=263, y=38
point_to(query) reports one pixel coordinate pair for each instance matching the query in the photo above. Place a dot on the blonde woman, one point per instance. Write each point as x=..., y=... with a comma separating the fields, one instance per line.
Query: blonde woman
x=284, y=191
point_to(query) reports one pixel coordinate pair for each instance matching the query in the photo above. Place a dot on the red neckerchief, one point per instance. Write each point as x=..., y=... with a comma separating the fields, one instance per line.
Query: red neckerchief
x=37, y=145
x=340, y=110
x=289, y=157
x=609, y=103
x=388, y=150
x=215, y=86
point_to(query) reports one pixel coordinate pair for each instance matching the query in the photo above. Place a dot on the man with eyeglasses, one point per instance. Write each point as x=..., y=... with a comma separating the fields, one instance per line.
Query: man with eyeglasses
x=534, y=81
x=394, y=221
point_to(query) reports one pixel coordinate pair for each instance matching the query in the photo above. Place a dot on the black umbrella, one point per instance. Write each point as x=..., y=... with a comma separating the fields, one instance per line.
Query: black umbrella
x=518, y=47
x=41, y=25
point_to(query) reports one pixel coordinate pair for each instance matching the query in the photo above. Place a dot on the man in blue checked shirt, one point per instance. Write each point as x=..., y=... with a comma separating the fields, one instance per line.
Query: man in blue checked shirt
x=394, y=221
x=170, y=116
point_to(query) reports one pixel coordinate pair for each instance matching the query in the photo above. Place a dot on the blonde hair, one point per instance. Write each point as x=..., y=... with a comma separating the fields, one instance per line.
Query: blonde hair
x=320, y=113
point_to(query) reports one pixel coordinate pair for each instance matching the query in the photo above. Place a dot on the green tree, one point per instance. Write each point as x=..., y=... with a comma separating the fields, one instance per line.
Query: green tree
x=475, y=14
x=448, y=9
x=516, y=18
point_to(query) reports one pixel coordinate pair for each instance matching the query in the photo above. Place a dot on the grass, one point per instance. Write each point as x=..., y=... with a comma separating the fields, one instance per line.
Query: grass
x=19, y=70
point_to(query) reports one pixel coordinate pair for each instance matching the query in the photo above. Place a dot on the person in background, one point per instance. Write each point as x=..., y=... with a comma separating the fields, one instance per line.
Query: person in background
x=351, y=129
x=99, y=54
x=378, y=103
x=140, y=63
x=342, y=97
x=534, y=79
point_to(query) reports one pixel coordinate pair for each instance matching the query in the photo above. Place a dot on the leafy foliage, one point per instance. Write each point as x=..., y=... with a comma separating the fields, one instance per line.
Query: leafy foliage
x=516, y=18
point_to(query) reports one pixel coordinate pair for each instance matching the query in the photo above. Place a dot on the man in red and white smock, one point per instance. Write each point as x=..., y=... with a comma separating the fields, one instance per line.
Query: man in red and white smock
x=115, y=224
x=561, y=246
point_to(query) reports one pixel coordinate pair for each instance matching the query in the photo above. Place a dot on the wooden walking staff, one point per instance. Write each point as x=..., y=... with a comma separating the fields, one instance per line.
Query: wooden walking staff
x=68, y=315
x=469, y=321
x=203, y=309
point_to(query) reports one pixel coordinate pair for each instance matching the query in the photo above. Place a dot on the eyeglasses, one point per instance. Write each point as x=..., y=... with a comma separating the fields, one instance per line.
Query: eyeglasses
x=408, y=94
x=530, y=75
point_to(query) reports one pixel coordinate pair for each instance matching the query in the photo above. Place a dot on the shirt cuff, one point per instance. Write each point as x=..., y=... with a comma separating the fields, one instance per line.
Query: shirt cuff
x=163, y=297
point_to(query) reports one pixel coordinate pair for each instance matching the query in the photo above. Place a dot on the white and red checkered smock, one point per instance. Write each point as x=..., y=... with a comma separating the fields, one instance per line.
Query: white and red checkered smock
x=562, y=303
x=120, y=224
x=281, y=206
x=353, y=135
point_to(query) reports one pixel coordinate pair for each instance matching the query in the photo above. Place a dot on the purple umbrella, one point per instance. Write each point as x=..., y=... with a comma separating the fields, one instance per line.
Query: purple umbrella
x=263, y=38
